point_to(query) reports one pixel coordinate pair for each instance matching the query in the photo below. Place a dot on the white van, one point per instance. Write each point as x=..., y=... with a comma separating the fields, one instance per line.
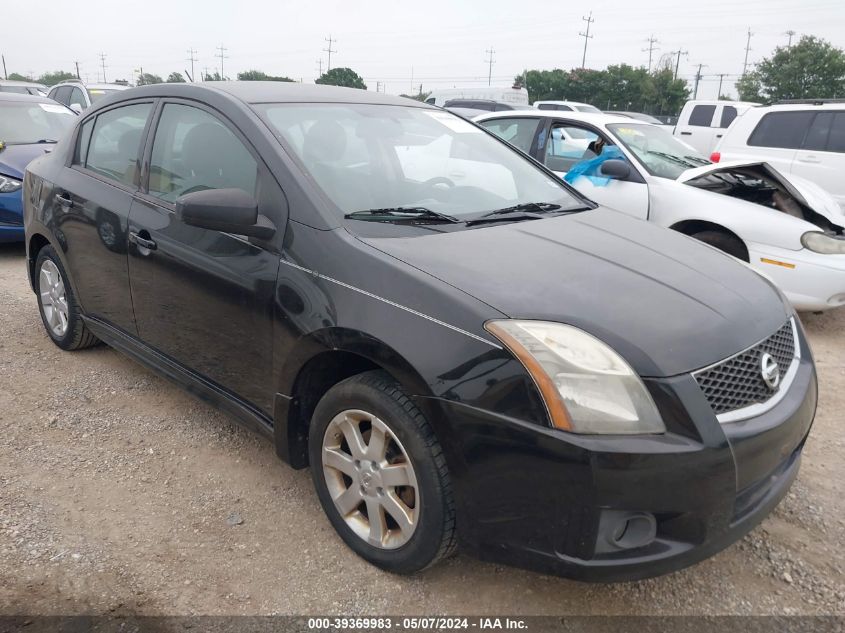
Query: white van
x=516, y=96
x=702, y=123
x=805, y=139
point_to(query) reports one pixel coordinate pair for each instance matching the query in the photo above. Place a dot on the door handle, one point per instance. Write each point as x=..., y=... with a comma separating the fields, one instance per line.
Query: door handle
x=686, y=133
x=64, y=199
x=143, y=242
x=718, y=136
x=810, y=159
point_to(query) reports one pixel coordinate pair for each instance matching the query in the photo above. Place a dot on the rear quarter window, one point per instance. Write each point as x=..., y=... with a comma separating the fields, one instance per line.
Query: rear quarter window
x=729, y=113
x=702, y=115
x=785, y=130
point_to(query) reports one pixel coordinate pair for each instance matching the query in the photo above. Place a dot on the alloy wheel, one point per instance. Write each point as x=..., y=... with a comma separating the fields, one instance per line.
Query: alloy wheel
x=53, y=298
x=371, y=479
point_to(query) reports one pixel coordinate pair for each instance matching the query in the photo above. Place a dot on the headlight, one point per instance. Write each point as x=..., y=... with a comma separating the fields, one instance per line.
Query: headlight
x=587, y=387
x=822, y=243
x=8, y=185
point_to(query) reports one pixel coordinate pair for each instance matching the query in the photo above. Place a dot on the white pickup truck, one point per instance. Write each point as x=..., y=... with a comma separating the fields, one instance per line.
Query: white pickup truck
x=702, y=123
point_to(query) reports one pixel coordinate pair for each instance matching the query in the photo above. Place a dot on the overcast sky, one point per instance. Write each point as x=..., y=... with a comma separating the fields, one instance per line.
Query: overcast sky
x=440, y=43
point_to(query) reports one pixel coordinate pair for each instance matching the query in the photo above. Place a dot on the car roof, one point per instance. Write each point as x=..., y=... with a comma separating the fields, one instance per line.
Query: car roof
x=15, y=96
x=14, y=82
x=596, y=118
x=803, y=106
x=253, y=92
x=722, y=101
x=574, y=103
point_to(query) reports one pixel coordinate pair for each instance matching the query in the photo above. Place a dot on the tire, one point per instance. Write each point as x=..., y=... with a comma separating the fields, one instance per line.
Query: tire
x=414, y=506
x=57, y=304
x=724, y=242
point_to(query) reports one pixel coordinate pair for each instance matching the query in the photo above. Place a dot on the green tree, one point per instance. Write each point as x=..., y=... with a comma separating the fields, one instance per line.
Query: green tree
x=175, y=78
x=215, y=77
x=17, y=77
x=420, y=96
x=342, y=77
x=810, y=69
x=257, y=75
x=670, y=94
x=51, y=79
x=145, y=79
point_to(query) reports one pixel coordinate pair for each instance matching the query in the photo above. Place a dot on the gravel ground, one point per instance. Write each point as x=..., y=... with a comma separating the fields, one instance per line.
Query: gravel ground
x=122, y=494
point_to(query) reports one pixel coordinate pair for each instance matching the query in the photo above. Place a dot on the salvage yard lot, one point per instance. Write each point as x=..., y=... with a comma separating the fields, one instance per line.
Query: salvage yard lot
x=121, y=493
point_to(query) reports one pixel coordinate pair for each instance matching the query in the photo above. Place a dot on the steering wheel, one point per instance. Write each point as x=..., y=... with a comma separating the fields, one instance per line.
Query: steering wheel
x=439, y=180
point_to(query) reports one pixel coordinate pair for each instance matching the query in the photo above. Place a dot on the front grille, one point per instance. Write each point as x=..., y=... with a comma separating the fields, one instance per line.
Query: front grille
x=737, y=382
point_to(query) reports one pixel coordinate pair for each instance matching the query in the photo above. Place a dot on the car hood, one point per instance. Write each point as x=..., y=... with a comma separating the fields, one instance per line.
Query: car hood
x=666, y=302
x=806, y=192
x=15, y=158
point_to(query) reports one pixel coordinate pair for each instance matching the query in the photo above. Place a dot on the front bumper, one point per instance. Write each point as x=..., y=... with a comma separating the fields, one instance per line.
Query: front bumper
x=540, y=498
x=11, y=217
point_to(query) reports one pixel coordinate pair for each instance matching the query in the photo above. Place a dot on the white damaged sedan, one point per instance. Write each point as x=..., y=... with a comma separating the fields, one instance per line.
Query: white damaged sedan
x=784, y=226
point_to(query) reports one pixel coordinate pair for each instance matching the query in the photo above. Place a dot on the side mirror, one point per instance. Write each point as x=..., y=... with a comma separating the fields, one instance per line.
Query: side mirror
x=225, y=210
x=615, y=168
x=76, y=108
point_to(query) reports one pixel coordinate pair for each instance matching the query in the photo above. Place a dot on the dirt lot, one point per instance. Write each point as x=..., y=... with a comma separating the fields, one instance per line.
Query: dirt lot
x=116, y=487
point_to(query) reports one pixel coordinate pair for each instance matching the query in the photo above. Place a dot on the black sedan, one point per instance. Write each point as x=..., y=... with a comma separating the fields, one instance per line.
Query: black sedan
x=462, y=347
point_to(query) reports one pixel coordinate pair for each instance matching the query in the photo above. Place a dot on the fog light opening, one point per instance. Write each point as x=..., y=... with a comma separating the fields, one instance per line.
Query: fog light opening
x=620, y=530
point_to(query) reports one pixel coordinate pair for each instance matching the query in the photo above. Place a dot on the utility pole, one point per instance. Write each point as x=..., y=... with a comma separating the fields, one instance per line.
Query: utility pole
x=103, y=64
x=412, y=79
x=489, y=61
x=719, y=92
x=221, y=53
x=329, y=50
x=791, y=34
x=651, y=48
x=77, y=71
x=747, y=48
x=5, y=76
x=697, y=79
x=589, y=20
x=192, y=58
x=678, y=52
x=205, y=73
x=320, y=67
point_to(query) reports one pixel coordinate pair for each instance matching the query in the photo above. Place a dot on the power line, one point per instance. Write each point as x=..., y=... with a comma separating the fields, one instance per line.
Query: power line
x=678, y=52
x=192, y=58
x=221, y=53
x=589, y=20
x=103, y=64
x=329, y=50
x=651, y=48
x=489, y=61
x=747, y=48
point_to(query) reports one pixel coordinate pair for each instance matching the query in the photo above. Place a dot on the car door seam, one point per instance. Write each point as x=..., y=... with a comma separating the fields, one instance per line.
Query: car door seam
x=389, y=302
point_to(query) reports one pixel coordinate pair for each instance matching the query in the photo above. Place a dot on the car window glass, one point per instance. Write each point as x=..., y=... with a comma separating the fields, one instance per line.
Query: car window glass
x=82, y=141
x=546, y=106
x=819, y=130
x=62, y=94
x=728, y=115
x=16, y=89
x=702, y=115
x=115, y=141
x=781, y=129
x=193, y=150
x=836, y=140
x=516, y=131
x=569, y=145
x=76, y=97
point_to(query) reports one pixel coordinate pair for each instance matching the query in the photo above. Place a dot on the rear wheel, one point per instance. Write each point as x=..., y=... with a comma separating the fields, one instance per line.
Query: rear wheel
x=724, y=242
x=57, y=304
x=380, y=474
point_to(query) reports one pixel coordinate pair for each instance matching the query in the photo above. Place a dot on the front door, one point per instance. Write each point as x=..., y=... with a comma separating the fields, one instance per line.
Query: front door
x=91, y=221
x=571, y=145
x=205, y=298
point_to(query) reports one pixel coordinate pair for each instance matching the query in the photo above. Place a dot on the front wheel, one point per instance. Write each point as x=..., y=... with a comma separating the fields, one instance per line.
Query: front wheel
x=380, y=474
x=724, y=242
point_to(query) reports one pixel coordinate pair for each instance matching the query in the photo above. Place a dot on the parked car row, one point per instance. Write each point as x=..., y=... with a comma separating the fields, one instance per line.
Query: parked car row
x=465, y=348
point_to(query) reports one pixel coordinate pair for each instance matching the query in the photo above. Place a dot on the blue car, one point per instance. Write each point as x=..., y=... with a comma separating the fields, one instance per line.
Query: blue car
x=29, y=126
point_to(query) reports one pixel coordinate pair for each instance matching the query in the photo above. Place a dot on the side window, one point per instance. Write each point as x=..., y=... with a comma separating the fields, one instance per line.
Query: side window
x=702, y=115
x=76, y=97
x=516, y=131
x=784, y=130
x=193, y=150
x=62, y=94
x=80, y=154
x=431, y=100
x=546, y=106
x=819, y=131
x=836, y=140
x=115, y=141
x=569, y=145
x=729, y=113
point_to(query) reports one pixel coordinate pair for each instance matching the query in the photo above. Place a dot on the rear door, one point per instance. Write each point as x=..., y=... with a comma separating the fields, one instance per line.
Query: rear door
x=697, y=129
x=205, y=298
x=778, y=136
x=91, y=204
x=821, y=158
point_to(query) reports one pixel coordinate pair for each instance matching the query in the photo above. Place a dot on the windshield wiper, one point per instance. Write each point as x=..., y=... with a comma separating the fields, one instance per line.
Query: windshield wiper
x=46, y=140
x=671, y=157
x=698, y=159
x=536, y=207
x=398, y=214
x=518, y=212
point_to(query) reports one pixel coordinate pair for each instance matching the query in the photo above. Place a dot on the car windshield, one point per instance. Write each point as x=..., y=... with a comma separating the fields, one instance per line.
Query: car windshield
x=386, y=157
x=27, y=122
x=98, y=93
x=587, y=108
x=660, y=153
